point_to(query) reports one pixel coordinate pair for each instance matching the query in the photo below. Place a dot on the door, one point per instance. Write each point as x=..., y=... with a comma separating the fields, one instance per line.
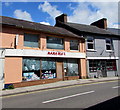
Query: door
x=103, y=69
x=59, y=68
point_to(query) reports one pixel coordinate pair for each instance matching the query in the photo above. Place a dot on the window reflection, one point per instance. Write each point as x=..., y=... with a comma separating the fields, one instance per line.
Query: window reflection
x=71, y=67
x=55, y=43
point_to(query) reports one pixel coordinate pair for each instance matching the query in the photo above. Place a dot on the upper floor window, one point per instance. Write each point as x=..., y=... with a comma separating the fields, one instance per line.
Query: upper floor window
x=31, y=40
x=108, y=44
x=74, y=45
x=90, y=43
x=55, y=43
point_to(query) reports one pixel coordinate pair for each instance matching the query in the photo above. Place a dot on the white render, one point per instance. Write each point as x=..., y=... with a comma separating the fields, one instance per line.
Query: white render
x=41, y=53
x=103, y=58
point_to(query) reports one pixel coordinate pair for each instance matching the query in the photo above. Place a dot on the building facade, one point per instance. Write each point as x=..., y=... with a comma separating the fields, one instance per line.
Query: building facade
x=32, y=53
x=102, y=46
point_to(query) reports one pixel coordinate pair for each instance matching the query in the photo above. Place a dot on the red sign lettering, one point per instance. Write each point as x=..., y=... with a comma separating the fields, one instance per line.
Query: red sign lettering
x=56, y=53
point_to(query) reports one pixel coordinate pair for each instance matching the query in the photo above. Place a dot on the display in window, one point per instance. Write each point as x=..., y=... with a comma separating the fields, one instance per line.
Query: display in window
x=30, y=76
x=31, y=69
x=48, y=68
x=48, y=75
x=109, y=65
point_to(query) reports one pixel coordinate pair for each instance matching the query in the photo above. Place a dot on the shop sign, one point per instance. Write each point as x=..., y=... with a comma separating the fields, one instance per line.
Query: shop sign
x=56, y=53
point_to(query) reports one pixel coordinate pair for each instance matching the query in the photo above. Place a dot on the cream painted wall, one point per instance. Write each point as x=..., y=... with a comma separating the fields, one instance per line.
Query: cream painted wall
x=13, y=69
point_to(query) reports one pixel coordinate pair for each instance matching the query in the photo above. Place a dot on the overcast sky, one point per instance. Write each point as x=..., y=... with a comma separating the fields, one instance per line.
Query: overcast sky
x=78, y=12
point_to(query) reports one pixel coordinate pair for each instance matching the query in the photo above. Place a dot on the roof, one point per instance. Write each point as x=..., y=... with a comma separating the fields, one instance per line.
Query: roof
x=36, y=26
x=88, y=29
x=114, y=30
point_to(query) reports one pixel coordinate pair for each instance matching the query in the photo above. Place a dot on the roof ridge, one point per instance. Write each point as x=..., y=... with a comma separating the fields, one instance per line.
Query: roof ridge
x=89, y=26
x=26, y=21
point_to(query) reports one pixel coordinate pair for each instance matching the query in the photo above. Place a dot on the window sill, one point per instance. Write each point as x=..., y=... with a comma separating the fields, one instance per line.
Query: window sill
x=74, y=51
x=91, y=50
x=109, y=51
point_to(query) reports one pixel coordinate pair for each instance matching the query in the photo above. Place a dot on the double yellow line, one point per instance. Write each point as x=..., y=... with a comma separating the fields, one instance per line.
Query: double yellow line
x=19, y=94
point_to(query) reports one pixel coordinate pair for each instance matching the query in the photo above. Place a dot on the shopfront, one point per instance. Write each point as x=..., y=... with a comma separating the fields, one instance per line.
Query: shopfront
x=103, y=68
x=43, y=66
x=48, y=68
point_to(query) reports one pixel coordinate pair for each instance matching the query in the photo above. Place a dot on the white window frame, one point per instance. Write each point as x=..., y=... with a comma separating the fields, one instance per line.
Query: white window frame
x=108, y=44
x=90, y=43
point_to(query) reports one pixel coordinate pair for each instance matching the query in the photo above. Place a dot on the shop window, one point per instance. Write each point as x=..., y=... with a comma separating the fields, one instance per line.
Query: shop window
x=90, y=43
x=31, y=69
x=93, y=65
x=108, y=44
x=109, y=65
x=71, y=67
x=55, y=43
x=48, y=68
x=74, y=45
x=31, y=40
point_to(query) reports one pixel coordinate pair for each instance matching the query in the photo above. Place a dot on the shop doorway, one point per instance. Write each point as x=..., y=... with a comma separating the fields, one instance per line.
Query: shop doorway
x=103, y=68
x=59, y=68
x=102, y=71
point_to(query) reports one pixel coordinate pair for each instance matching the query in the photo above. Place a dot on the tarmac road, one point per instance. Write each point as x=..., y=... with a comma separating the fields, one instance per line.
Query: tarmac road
x=78, y=96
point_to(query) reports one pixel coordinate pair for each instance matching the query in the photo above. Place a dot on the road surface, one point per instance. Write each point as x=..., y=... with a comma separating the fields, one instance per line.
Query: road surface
x=77, y=96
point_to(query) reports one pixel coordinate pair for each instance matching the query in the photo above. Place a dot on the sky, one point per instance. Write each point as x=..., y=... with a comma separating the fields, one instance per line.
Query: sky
x=77, y=12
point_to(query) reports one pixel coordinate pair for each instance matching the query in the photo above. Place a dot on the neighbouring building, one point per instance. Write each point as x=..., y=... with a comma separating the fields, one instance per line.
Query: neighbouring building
x=102, y=46
x=32, y=53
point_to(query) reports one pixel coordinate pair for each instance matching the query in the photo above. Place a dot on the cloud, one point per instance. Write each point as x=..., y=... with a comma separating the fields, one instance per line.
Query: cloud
x=116, y=25
x=46, y=23
x=88, y=12
x=22, y=15
x=51, y=10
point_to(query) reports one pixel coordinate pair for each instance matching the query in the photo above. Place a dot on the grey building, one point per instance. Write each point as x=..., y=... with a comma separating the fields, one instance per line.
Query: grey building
x=102, y=46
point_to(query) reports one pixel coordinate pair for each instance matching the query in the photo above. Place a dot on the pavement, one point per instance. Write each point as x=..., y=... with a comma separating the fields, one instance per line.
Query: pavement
x=55, y=85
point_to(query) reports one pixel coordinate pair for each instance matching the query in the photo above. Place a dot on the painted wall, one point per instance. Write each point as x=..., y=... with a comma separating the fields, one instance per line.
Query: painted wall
x=100, y=51
x=13, y=65
x=83, y=68
x=9, y=34
x=13, y=69
x=100, y=47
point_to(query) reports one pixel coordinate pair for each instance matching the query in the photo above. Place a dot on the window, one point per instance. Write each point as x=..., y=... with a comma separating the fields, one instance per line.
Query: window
x=93, y=65
x=55, y=43
x=31, y=40
x=108, y=44
x=74, y=45
x=71, y=67
x=109, y=65
x=31, y=69
x=90, y=43
x=48, y=68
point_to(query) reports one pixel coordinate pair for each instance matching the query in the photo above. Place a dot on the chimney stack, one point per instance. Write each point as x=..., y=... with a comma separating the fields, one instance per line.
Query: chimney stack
x=61, y=18
x=102, y=23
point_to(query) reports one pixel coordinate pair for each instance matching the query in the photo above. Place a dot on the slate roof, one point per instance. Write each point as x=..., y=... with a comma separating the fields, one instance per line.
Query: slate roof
x=89, y=29
x=36, y=26
x=114, y=30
